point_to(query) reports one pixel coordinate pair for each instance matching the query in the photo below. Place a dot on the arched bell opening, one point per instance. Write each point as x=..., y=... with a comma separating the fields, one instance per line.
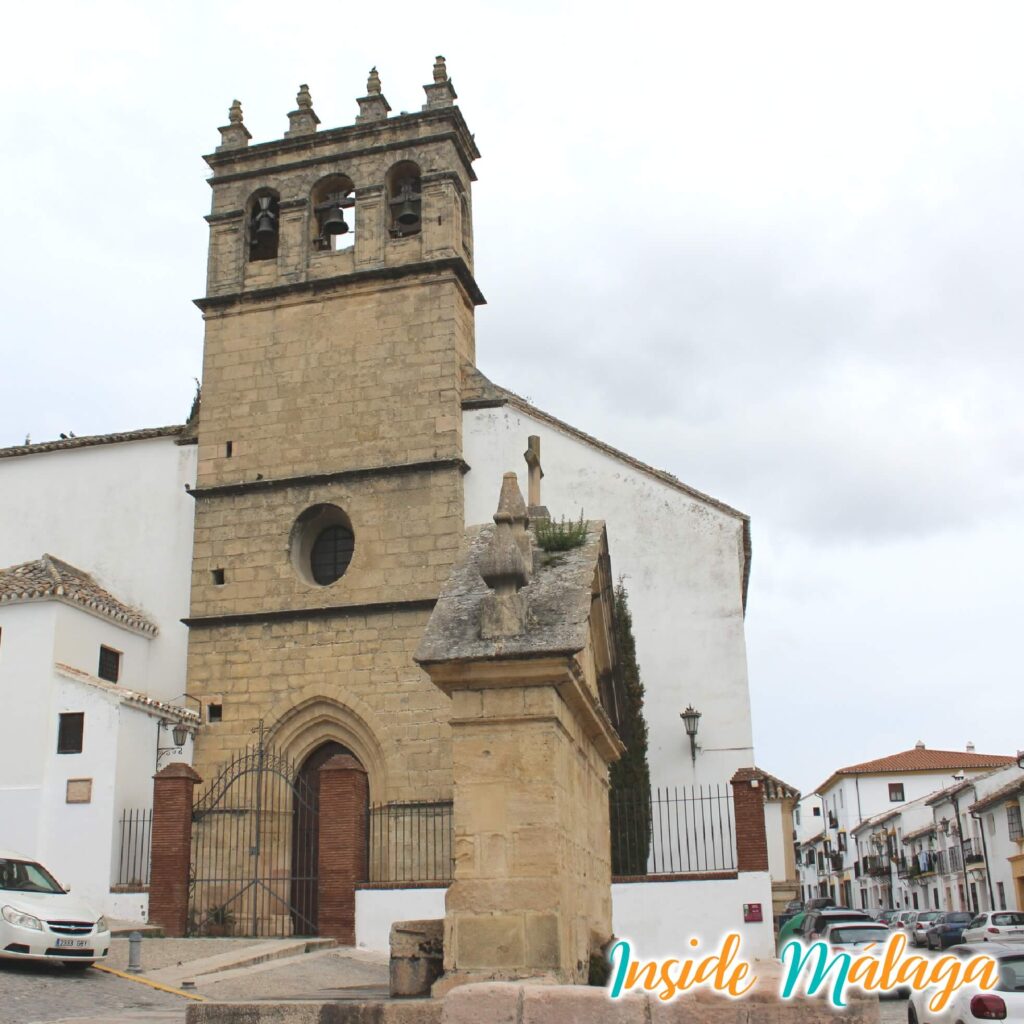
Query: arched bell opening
x=333, y=222
x=404, y=199
x=304, y=905
x=262, y=225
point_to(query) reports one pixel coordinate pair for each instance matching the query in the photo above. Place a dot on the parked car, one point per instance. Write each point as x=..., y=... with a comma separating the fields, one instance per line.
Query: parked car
x=815, y=921
x=996, y=926
x=1005, y=1002
x=794, y=907
x=947, y=929
x=819, y=902
x=852, y=935
x=40, y=920
x=921, y=924
x=887, y=917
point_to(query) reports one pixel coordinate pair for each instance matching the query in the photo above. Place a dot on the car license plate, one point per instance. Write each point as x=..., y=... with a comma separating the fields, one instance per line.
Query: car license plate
x=70, y=943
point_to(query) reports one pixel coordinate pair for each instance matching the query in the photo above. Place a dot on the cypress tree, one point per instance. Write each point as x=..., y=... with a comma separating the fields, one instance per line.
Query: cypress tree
x=630, y=777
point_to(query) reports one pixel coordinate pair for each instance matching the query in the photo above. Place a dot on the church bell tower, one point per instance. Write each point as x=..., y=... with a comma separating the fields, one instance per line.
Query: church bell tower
x=329, y=505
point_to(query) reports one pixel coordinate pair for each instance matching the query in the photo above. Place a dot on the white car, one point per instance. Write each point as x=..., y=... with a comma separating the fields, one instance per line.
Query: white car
x=1005, y=1002
x=996, y=926
x=852, y=935
x=39, y=920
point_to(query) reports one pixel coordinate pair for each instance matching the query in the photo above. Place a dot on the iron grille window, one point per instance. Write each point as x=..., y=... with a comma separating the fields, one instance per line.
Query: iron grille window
x=110, y=664
x=331, y=554
x=70, y=730
x=1013, y=821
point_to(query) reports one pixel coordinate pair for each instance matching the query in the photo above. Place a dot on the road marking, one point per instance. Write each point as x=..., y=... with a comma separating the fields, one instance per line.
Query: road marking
x=151, y=984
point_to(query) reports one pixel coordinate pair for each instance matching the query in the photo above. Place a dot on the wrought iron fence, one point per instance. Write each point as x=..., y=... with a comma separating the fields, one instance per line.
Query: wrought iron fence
x=673, y=830
x=411, y=842
x=136, y=827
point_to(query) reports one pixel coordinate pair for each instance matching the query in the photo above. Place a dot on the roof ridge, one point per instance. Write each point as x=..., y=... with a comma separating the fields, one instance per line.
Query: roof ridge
x=93, y=440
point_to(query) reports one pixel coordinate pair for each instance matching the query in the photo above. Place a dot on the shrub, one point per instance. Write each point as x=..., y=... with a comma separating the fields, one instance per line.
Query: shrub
x=561, y=536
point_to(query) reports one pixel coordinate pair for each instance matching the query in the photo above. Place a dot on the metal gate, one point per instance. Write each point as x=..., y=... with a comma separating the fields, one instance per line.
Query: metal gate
x=254, y=855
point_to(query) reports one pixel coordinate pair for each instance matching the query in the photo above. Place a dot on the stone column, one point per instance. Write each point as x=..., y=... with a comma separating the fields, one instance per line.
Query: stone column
x=171, y=847
x=342, y=855
x=751, y=835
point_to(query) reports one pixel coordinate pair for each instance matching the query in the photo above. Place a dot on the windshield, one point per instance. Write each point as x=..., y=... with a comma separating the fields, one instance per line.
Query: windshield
x=25, y=876
x=1011, y=974
x=958, y=918
x=929, y=915
x=848, y=936
x=1008, y=918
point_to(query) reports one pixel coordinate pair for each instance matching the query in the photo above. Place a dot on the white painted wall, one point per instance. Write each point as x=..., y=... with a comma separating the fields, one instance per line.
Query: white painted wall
x=682, y=561
x=661, y=917
x=778, y=827
x=658, y=917
x=121, y=513
x=378, y=909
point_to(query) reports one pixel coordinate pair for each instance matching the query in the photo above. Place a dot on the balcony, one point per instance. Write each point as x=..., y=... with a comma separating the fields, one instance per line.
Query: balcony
x=876, y=864
x=973, y=857
x=836, y=861
x=922, y=865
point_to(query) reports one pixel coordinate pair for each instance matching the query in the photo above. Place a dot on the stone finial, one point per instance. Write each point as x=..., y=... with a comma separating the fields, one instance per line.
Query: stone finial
x=303, y=120
x=372, y=106
x=504, y=566
x=440, y=92
x=234, y=135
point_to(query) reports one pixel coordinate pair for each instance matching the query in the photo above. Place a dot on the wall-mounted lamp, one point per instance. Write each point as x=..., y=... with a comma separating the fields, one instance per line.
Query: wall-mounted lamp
x=180, y=733
x=691, y=720
x=944, y=825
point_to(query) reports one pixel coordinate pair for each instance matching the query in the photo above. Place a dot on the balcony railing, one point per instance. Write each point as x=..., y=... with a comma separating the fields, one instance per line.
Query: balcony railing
x=876, y=864
x=972, y=853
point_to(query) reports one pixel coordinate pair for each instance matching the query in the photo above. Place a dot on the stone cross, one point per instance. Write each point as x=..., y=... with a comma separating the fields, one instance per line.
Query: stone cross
x=536, y=474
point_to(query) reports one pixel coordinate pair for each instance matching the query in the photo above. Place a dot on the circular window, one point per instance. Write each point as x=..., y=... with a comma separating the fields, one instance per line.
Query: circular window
x=322, y=544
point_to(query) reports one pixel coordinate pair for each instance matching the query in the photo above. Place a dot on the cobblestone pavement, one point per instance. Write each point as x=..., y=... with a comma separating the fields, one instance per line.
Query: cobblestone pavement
x=894, y=1011
x=36, y=993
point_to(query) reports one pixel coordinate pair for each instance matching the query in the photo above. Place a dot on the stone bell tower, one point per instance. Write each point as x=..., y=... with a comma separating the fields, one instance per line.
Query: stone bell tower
x=329, y=503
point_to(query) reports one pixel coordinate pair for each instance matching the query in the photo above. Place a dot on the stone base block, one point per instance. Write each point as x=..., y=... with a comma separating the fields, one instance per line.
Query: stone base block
x=417, y=957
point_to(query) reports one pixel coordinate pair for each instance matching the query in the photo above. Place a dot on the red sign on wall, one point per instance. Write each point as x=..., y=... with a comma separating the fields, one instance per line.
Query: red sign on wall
x=752, y=912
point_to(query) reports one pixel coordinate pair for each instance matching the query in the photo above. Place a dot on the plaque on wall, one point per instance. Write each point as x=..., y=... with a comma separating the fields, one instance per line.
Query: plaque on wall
x=79, y=791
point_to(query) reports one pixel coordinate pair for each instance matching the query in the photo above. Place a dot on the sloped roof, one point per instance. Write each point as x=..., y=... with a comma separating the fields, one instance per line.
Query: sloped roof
x=126, y=696
x=1011, y=789
x=920, y=759
x=776, y=789
x=924, y=830
x=478, y=392
x=176, y=430
x=878, y=819
x=49, y=578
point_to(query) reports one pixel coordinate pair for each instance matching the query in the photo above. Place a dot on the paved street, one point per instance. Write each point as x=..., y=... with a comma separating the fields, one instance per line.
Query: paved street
x=31, y=993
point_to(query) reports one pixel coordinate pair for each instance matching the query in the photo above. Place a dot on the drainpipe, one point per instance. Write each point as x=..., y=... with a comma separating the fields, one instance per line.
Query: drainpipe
x=984, y=850
x=963, y=860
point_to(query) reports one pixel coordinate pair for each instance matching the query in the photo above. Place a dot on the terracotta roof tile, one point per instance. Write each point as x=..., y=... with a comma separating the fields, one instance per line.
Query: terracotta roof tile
x=49, y=578
x=921, y=759
x=776, y=789
x=176, y=430
x=1011, y=789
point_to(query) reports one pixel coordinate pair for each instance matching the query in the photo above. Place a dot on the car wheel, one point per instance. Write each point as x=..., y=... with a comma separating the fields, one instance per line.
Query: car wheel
x=78, y=965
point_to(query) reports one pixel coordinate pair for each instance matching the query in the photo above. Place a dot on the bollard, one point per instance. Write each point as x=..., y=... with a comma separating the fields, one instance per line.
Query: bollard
x=135, y=953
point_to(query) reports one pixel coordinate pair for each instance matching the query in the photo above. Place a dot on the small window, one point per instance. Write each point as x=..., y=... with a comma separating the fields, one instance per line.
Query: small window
x=816, y=811
x=214, y=712
x=896, y=792
x=331, y=554
x=229, y=449
x=110, y=664
x=218, y=577
x=70, y=731
x=1013, y=821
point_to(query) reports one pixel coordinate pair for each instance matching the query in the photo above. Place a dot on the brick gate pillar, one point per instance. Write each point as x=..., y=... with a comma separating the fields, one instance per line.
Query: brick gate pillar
x=171, y=847
x=751, y=836
x=342, y=846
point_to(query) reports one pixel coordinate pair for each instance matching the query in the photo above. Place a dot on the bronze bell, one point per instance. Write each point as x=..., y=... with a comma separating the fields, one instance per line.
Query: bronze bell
x=332, y=217
x=264, y=221
x=407, y=203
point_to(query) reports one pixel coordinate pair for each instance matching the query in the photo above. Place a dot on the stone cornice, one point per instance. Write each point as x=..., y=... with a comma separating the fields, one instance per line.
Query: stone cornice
x=316, y=479
x=451, y=264
x=325, y=612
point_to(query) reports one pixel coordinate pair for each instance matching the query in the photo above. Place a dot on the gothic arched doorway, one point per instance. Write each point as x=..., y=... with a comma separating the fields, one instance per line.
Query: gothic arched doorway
x=306, y=839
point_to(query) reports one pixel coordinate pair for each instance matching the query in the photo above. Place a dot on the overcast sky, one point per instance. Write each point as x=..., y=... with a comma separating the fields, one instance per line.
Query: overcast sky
x=773, y=248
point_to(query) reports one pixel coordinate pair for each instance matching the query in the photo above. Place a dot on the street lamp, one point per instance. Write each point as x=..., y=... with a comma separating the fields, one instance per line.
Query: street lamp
x=691, y=720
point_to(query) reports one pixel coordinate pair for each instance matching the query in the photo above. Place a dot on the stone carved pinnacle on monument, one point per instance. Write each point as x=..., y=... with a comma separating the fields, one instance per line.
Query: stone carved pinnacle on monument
x=505, y=566
x=535, y=509
x=372, y=106
x=303, y=120
x=234, y=135
x=440, y=92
